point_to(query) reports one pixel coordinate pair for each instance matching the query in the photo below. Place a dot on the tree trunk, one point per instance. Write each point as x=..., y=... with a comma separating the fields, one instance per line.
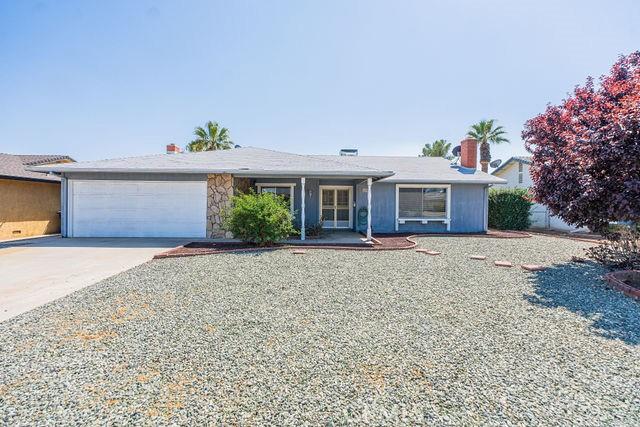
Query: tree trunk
x=485, y=156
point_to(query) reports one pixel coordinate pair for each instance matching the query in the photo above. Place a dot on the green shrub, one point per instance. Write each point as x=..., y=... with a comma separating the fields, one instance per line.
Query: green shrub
x=263, y=219
x=509, y=209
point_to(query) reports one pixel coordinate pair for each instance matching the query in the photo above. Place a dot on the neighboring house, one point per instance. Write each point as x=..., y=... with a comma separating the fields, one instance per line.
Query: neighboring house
x=29, y=201
x=516, y=172
x=183, y=194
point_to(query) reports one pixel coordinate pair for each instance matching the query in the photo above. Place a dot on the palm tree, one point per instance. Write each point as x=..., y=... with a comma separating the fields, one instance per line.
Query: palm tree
x=211, y=137
x=439, y=148
x=486, y=134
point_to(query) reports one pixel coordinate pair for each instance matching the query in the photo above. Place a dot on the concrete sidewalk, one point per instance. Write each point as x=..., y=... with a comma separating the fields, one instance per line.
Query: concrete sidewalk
x=36, y=271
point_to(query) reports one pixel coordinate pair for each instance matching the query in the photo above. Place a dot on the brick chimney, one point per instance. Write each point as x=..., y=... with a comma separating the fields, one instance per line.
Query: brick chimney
x=173, y=149
x=469, y=153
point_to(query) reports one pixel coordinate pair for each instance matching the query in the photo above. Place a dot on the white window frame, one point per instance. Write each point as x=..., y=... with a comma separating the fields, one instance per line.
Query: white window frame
x=446, y=219
x=290, y=185
x=335, y=221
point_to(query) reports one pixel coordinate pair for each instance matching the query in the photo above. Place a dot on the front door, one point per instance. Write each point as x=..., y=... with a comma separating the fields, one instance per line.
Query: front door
x=335, y=206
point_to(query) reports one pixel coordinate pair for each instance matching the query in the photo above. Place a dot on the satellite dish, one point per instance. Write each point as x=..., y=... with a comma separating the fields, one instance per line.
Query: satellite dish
x=456, y=151
x=495, y=163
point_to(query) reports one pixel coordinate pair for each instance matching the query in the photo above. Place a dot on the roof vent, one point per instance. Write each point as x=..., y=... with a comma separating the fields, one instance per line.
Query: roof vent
x=349, y=152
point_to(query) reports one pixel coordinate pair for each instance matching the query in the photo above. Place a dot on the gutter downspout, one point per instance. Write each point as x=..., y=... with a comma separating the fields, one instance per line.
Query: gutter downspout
x=63, y=206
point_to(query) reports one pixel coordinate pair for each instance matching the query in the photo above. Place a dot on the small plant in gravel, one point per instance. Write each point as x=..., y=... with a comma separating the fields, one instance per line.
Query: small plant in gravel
x=509, y=209
x=262, y=219
x=620, y=250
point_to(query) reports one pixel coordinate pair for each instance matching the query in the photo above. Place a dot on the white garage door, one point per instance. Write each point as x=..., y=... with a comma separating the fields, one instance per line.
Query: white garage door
x=137, y=208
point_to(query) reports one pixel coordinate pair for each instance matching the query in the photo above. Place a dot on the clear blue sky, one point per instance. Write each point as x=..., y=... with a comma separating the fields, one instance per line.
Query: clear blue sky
x=101, y=79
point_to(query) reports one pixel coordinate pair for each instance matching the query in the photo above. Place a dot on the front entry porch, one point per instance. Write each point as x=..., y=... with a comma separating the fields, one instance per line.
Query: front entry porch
x=330, y=203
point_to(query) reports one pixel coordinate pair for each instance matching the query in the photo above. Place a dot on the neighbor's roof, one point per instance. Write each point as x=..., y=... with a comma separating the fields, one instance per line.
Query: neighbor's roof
x=259, y=162
x=15, y=166
x=519, y=159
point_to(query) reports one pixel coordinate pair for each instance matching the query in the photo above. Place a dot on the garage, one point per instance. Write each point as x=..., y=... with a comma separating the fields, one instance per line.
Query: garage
x=103, y=208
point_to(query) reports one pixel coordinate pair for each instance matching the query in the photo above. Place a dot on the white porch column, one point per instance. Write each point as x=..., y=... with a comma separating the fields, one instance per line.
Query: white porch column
x=302, y=194
x=369, y=180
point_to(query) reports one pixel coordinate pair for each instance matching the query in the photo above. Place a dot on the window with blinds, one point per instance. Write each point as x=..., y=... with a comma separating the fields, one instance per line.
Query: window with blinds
x=422, y=202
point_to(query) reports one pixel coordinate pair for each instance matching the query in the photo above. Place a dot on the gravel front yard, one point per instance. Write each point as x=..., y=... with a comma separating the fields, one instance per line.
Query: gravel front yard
x=330, y=337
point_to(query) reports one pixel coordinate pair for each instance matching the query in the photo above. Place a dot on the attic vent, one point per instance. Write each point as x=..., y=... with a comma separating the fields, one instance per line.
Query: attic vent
x=349, y=152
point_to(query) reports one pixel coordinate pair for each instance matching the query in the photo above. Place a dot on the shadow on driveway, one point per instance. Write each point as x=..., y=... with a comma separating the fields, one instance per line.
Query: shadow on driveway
x=578, y=287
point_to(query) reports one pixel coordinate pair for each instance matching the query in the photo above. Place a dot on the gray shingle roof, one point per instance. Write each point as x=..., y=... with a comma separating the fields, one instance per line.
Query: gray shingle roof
x=245, y=160
x=256, y=162
x=434, y=170
x=15, y=166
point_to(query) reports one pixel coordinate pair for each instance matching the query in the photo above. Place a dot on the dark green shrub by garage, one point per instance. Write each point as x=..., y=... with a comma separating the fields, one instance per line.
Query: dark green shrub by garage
x=262, y=219
x=509, y=209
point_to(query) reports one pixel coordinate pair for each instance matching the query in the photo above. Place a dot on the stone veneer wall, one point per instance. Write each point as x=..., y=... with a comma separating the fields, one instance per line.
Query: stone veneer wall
x=219, y=193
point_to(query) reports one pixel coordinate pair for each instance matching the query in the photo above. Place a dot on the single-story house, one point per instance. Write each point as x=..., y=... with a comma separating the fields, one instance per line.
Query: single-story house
x=183, y=194
x=517, y=174
x=29, y=201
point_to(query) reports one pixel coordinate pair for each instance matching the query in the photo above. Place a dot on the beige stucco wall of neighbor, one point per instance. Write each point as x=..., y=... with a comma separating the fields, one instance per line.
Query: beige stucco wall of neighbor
x=28, y=208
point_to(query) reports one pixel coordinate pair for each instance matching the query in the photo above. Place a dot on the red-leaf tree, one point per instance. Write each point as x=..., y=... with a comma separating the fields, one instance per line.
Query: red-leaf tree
x=586, y=151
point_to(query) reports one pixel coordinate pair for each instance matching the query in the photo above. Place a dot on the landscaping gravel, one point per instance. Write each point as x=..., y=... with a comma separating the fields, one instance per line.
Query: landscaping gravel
x=334, y=337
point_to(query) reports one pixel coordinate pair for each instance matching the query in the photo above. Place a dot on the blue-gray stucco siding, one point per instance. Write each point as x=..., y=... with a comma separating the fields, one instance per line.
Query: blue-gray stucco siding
x=468, y=204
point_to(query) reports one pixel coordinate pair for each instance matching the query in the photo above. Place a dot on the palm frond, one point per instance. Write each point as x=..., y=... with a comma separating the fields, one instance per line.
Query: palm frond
x=210, y=137
x=200, y=133
x=439, y=148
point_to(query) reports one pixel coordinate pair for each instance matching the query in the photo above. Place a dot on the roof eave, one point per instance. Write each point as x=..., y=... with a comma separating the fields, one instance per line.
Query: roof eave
x=446, y=181
x=28, y=178
x=237, y=172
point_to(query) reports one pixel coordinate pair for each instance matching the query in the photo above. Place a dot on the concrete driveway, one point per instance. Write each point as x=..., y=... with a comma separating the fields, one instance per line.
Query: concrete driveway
x=35, y=272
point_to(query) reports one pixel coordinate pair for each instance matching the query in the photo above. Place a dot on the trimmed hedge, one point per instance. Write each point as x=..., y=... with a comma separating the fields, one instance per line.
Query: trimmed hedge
x=509, y=208
x=262, y=219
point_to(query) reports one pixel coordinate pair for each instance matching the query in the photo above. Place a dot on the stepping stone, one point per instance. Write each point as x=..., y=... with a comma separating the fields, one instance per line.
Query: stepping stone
x=478, y=257
x=428, y=251
x=298, y=251
x=503, y=264
x=533, y=267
